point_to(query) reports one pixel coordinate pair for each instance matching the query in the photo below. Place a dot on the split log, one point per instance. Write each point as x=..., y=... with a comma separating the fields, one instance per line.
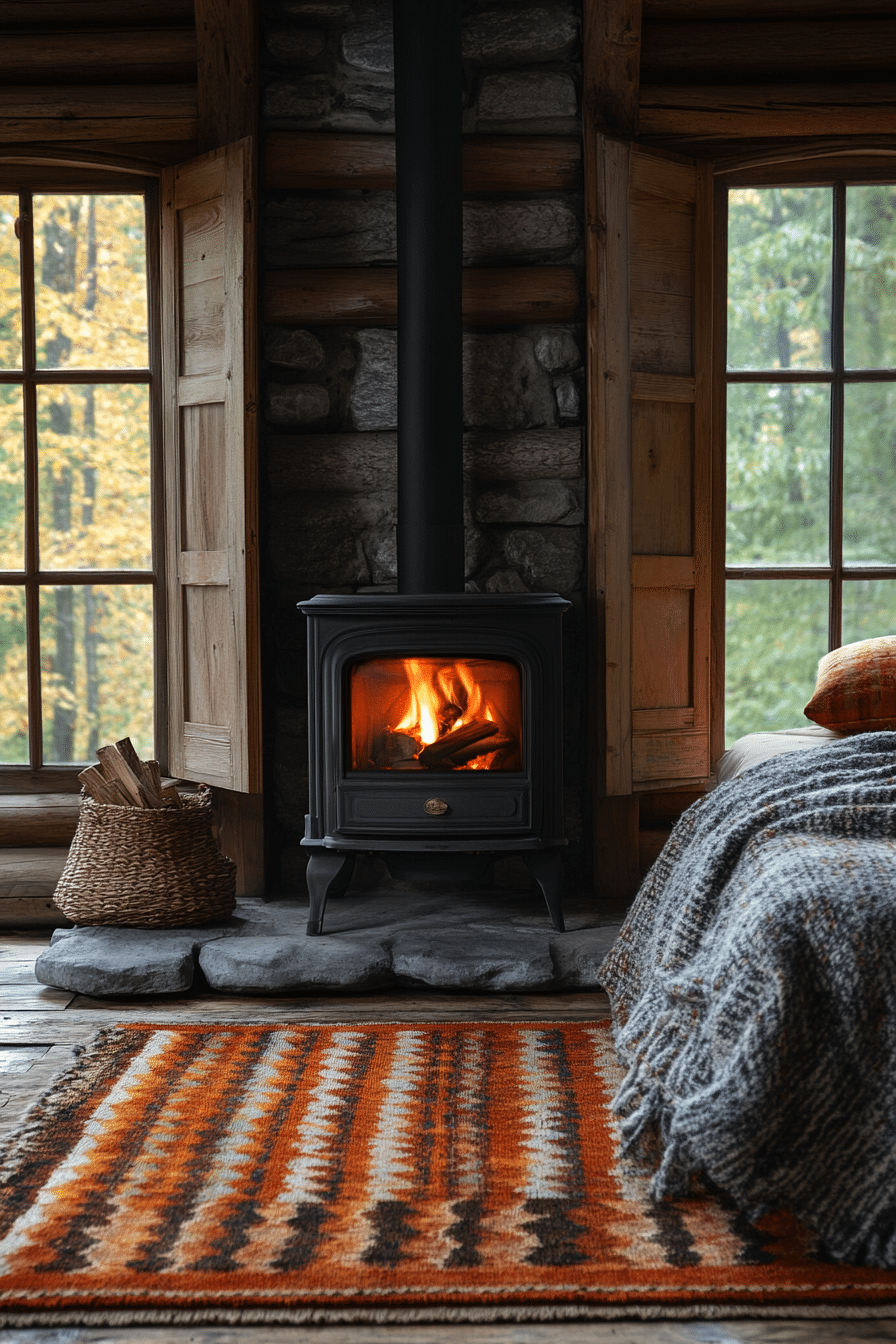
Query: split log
x=451, y=743
x=116, y=767
x=142, y=771
x=122, y=778
x=102, y=790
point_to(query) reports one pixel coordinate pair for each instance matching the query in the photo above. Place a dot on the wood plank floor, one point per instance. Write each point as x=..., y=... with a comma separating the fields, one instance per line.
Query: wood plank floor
x=40, y=1028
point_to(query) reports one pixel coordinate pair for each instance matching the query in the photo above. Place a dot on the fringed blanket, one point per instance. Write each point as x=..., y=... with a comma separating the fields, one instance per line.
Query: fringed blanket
x=753, y=988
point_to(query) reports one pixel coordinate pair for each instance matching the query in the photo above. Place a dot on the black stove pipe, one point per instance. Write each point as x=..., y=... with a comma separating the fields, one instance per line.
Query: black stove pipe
x=427, y=40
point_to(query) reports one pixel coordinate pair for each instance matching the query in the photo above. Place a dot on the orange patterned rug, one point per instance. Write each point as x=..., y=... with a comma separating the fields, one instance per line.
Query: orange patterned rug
x=467, y=1171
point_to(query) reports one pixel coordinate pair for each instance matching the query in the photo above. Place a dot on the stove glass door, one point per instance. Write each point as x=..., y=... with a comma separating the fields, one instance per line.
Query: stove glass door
x=435, y=714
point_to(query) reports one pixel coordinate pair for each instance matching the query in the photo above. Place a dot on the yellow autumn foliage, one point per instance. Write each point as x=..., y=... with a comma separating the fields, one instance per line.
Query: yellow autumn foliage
x=93, y=476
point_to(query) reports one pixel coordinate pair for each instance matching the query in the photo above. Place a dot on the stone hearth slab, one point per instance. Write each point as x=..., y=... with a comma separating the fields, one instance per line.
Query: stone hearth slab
x=100, y=961
x=271, y=964
x=450, y=958
x=496, y=941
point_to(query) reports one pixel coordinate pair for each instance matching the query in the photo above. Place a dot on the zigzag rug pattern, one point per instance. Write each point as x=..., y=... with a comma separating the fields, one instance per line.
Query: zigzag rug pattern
x=462, y=1171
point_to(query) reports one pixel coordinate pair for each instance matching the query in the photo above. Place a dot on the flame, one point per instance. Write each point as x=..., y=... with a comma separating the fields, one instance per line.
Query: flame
x=400, y=706
x=421, y=718
x=433, y=697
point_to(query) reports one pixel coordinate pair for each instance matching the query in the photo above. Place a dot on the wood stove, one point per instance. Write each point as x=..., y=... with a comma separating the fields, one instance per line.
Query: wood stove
x=434, y=737
x=434, y=714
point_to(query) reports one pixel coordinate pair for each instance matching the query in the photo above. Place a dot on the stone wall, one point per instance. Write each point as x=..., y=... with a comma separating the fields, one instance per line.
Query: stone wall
x=328, y=445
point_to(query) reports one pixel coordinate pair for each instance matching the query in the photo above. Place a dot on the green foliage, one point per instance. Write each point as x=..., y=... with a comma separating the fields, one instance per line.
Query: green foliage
x=779, y=278
x=775, y=632
x=778, y=440
x=778, y=474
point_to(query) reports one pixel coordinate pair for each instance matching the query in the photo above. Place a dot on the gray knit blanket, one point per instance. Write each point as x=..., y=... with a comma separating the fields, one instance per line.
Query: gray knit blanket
x=753, y=988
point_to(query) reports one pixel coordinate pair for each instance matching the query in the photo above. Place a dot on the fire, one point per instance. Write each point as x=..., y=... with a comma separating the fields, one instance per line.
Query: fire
x=435, y=700
x=435, y=714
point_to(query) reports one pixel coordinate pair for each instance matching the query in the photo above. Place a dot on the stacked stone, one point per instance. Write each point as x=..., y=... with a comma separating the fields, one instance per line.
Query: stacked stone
x=331, y=403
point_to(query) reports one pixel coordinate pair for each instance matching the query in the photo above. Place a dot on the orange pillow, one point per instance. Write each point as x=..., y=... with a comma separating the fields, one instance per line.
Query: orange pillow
x=855, y=691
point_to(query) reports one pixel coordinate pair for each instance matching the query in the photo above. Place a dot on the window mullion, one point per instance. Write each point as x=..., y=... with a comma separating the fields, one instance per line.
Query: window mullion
x=29, y=412
x=838, y=291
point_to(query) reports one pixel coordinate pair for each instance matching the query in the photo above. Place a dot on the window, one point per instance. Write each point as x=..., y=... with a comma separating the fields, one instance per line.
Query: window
x=78, y=582
x=811, y=443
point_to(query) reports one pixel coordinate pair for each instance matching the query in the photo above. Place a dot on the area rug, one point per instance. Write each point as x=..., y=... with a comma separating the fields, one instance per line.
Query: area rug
x=437, y=1172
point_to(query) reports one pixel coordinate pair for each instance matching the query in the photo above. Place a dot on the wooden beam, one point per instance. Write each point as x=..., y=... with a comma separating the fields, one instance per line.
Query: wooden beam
x=321, y=161
x=853, y=48
x=612, y=58
x=367, y=297
x=755, y=111
x=61, y=57
x=47, y=15
x=111, y=112
x=226, y=71
x=711, y=11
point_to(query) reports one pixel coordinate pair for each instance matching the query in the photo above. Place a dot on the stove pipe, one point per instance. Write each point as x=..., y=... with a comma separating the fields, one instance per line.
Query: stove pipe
x=427, y=40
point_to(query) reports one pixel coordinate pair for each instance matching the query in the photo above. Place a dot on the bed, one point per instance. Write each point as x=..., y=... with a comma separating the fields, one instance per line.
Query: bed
x=753, y=988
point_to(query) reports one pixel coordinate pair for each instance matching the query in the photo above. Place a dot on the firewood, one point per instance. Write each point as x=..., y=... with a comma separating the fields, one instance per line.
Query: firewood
x=454, y=742
x=140, y=769
x=100, y=789
x=170, y=796
x=155, y=774
x=481, y=749
x=390, y=748
x=116, y=767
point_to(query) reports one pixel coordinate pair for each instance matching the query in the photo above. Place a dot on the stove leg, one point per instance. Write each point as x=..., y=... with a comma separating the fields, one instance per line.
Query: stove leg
x=328, y=873
x=546, y=868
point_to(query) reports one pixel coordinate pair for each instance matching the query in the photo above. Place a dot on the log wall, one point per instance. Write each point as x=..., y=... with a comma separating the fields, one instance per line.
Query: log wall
x=99, y=77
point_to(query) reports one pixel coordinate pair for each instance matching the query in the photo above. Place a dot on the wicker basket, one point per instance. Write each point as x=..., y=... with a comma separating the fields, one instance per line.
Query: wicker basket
x=145, y=867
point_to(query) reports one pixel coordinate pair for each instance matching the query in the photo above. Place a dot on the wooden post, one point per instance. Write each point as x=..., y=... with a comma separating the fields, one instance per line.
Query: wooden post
x=612, y=58
x=227, y=71
x=227, y=80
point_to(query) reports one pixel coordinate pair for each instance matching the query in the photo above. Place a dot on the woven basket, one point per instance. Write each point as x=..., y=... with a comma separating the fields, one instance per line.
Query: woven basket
x=146, y=867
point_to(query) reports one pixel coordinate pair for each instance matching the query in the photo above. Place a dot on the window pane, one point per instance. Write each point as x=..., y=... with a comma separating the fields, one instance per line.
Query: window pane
x=12, y=479
x=779, y=278
x=90, y=282
x=94, y=485
x=778, y=471
x=869, y=473
x=869, y=609
x=13, y=678
x=96, y=669
x=10, y=293
x=870, y=311
x=775, y=633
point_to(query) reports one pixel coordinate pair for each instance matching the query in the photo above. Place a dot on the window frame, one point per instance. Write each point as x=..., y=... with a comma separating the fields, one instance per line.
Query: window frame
x=15, y=179
x=837, y=171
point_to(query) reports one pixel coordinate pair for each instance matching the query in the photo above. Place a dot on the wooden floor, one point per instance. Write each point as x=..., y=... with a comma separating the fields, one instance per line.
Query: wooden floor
x=40, y=1027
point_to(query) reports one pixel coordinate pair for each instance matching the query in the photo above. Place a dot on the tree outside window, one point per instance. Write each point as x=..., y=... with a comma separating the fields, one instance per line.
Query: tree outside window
x=76, y=568
x=811, y=442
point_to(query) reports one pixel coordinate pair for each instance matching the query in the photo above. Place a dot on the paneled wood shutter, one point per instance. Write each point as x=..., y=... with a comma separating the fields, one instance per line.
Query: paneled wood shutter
x=651, y=462
x=209, y=429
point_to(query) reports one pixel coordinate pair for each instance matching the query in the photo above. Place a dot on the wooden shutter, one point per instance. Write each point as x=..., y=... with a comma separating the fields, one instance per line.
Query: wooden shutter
x=651, y=463
x=209, y=428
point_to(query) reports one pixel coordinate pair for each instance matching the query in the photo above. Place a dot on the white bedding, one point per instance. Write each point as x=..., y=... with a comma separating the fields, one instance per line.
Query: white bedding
x=757, y=747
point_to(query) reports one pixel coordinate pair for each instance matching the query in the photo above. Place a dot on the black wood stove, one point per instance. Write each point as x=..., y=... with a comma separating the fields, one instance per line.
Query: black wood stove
x=435, y=730
x=435, y=717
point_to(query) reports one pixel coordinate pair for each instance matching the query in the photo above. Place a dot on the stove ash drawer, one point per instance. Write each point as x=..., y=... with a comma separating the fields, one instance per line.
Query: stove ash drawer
x=434, y=811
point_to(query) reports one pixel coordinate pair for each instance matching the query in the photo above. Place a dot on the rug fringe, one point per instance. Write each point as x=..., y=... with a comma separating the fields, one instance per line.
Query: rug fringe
x=456, y=1315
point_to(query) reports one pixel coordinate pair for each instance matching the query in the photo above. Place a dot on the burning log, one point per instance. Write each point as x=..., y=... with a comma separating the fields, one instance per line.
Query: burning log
x=449, y=745
x=482, y=748
x=394, y=751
